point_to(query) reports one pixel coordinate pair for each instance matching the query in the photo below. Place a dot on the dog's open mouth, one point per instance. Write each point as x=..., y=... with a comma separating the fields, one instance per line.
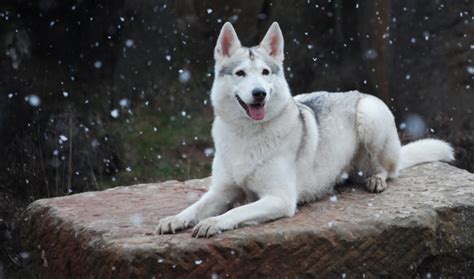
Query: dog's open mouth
x=256, y=111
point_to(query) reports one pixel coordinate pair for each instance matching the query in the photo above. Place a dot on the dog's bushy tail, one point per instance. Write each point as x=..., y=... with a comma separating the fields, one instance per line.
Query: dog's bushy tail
x=426, y=150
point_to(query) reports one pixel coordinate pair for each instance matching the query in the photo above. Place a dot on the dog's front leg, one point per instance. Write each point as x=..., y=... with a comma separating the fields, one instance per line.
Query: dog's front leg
x=212, y=203
x=276, y=189
x=265, y=209
x=221, y=196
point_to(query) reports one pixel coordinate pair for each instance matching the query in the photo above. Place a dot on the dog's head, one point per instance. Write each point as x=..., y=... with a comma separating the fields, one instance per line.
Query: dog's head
x=249, y=83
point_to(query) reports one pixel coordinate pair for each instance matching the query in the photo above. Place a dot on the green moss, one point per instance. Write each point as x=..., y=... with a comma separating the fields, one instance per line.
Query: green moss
x=157, y=149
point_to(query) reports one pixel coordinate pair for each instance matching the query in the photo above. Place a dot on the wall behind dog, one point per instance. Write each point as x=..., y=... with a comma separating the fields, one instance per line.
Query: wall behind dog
x=102, y=93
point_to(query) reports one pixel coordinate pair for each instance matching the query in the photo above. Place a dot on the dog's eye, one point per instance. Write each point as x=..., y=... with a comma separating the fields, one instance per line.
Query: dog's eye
x=265, y=72
x=240, y=73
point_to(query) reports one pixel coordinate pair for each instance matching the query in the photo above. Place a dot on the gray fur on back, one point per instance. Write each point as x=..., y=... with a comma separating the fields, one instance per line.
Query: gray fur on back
x=324, y=104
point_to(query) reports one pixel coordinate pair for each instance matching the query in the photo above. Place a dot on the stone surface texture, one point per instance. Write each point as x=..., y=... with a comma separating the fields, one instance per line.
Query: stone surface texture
x=422, y=225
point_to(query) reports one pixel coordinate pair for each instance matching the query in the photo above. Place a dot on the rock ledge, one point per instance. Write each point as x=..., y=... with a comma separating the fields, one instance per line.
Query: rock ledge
x=423, y=223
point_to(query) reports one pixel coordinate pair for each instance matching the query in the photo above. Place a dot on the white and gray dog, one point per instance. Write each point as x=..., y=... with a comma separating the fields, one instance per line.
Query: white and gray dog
x=275, y=151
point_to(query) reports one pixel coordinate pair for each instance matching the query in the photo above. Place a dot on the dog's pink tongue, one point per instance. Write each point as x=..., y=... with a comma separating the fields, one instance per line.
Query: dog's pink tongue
x=257, y=112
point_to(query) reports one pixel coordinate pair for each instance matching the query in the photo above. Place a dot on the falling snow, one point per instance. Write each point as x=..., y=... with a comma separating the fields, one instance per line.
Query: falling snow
x=136, y=220
x=414, y=125
x=209, y=151
x=426, y=35
x=98, y=64
x=129, y=43
x=114, y=113
x=124, y=102
x=371, y=54
x=33, y=100
x=184, y=76
x=470, y=70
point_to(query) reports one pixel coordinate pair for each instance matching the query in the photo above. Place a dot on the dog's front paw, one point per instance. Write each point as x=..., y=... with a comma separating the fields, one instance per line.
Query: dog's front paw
x=172, y=224
x=208, y=227
x=376, y=184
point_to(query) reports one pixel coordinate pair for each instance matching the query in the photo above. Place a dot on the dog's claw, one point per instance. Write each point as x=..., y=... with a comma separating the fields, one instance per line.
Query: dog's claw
x=207, y=228
x=376, y=184
x=171, y=224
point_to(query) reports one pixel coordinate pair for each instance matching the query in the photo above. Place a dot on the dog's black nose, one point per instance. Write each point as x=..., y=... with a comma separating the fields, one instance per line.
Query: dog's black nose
x=259, y=94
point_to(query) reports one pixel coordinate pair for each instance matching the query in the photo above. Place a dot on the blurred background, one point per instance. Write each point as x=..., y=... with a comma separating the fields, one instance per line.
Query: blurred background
x=95, y=94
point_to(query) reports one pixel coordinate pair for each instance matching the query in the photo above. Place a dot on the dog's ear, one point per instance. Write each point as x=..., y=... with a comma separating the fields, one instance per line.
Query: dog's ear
x=273, y=42
x=227, y=43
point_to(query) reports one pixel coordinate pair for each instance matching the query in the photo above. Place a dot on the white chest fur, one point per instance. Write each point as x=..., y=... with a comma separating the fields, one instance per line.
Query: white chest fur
x=244, y=149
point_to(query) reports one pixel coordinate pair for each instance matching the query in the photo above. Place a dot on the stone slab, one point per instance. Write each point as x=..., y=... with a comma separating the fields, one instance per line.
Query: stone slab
x=422, y=224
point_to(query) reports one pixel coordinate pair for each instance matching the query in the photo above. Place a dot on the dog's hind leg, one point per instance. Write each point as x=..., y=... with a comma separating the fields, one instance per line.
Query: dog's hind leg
x=379, y=139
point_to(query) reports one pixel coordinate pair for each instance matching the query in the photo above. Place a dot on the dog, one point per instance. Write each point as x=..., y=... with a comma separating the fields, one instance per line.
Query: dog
x=275, y=151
